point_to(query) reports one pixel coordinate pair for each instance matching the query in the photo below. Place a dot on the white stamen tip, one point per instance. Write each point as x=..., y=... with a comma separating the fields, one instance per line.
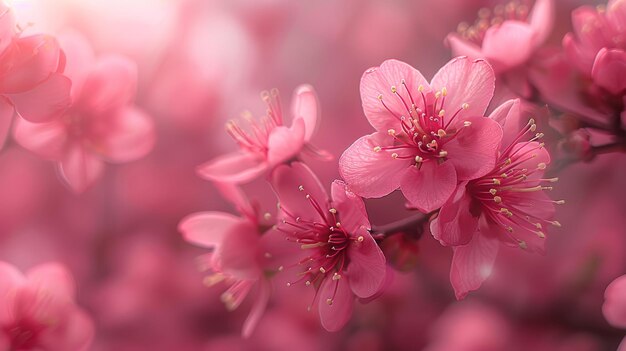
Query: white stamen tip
x=377, y=148
x=360, y=238
x=465, y=106
x=467, y=123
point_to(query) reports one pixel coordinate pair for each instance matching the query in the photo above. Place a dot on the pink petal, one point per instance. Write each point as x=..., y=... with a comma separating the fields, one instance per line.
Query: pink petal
x=428, y=188
x=473, y=152
x=472, y=264
x=541, y=19
x=589, y=28
x=112, y=83
x=53, y=279
x=350, y=207
x=236, y=196
x=47, y=140
x=239, y=252
x=10, y=279
x=292, y=184
x=208, y=229
x=366, y=270
x=28, y=62
x=508, y=116
x=80, y=59
x=305, y=105
x=467, y=81
x=76, y=333
x=456, y=224
x=236, y=167
x=46, y=101
x=277, y=251
x=616, y=14
x=79, y=167
x=609, y=70
x=125, y=134
x=370, y=173
x=614, y=308
x=258, y=308
x=579, y=56
x=535, y=155
x=379, y=80
x=334, y=316
x=6, y=118
x=285, y=143
x=7, y=26
x=462, y=47
x=497, y=44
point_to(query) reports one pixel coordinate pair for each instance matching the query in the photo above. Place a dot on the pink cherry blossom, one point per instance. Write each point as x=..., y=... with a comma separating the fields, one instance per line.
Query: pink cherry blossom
x=507, y=205
x=614, y=307
x=490, y=36
x=31, y=80
x=268, y=142
x=37, y=311
x=341, y=259
x=102, y=124
x=429, y=136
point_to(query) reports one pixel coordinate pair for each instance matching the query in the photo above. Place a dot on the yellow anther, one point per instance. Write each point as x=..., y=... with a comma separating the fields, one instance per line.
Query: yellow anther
x=467, y=123
x=444, y=91
x=493, y=191
x=322, y=270
x=441, y=133
x=360, y=238
x=377, y=148
x=393, y=89
x=420, y=88
x=333, y=211
x=497, y=199
x=301, y=188
x=394, y=155
x=329, y=301
x=443, y=153
x=380, y=96
x=542, y=165
x=391, y=132
x=465, y=106
x=442, y=113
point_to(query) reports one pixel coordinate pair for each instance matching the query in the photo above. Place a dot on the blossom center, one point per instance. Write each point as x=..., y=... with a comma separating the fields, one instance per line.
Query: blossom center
x=513, y=10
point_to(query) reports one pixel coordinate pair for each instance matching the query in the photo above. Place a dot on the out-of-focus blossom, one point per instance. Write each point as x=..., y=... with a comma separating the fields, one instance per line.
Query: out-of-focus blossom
x=506, y=205
x=31, y=80
x=102, y=124
x=37, y=311
x=429, y=136
x=614, y=307
x=267, y=142
x=491, y=35
x=341, y=259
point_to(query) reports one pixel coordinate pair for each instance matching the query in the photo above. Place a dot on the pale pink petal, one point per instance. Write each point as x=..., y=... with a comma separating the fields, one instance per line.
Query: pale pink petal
x=6, y=118
x=258, y=308
x=124, y=135
x=472, y=264
x=497, y=44
x=587, y=23
x=578, y=55
x=53, y=279
x=80, y=59
x=616, y=14
x=239, y=252
x=292, y=184
x=28, y=62
x=366, y=270
x=350, y=207
x=335, y=304
x=237, y=167
x=46, y=101
x=473, y=151
x=285, y=143
x=370, y=173
x=10, y=279
x=305, y=105
x=508, y=116
x=7, y=26
x=317, y=153
x=278, y=251
x=112, y=83
x=456, y=224
x=379, y=81
x=609, y=71
x=462, y=47
x=47, y=140
x=236, y=196
x=76, y=333
x=79, y=168
x=541, y=19
x=614, y=307
x=428, y=188
x=467, y=82
x=208, y=229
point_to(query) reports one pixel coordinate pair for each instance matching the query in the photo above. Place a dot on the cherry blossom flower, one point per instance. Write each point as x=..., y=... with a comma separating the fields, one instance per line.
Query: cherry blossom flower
x=101, y=124
x=268, y=142
x=37, y=311
x=507, y=205
x=340, y=257
x=429, y=136
x=614, y=307
x=490, y=36
x=31, y=80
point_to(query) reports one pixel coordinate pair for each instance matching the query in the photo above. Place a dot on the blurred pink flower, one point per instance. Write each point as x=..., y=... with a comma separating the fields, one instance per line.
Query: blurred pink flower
x=31, y=82
x=614, y=307
x=268, y=142
x=341, y=259
x=37, y=311
x=429, y=136
x=506, y=205
x=101, y=124
x=491, y=35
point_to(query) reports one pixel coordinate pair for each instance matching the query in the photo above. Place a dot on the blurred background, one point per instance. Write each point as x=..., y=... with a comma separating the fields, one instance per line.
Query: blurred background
x=204, y=62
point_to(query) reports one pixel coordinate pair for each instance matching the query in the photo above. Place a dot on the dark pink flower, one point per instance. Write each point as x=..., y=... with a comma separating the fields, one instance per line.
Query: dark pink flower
x=37, y=311
x=339, y=256
x=490, y=36
x=267, y=142
x=507, y=205
x=614, y=307
x=31, y=82
x=429, y=135
x=101, y=124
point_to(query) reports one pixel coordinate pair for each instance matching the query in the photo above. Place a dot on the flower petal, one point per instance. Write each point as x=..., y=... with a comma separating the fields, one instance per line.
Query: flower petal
x=258, y=308
x=379, y=80
x=366, y=270
x=336, y=314
x=285, y=143
x=76, y=333
x=48, y=140
x=79, y=168
x=239, y=252
x=350, y=207
x=80, y=59
x=28, y=62
x=237, y=167
x=428, y=188
x=497, y=44
x=467, y=81
x=609, y=70
x=7, y=26
x=472, y=264
x=112, y=83
x=614, y=307
x=541, y=19
x=456, y=224
x=125, y=134
x=44, y=102
x=370, y=173
x=508, y=117
x=208, y=229
x=305, y=105
x=53, y=279
x=462, y=47
x=6, y=118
